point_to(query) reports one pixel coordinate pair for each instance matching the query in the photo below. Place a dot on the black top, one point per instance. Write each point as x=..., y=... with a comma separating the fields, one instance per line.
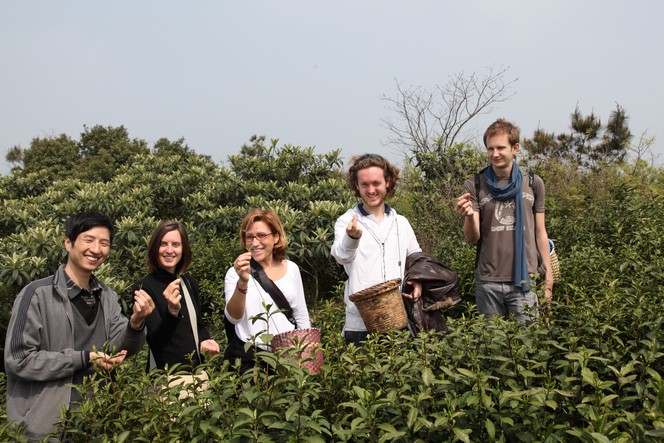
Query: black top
x=170, y=338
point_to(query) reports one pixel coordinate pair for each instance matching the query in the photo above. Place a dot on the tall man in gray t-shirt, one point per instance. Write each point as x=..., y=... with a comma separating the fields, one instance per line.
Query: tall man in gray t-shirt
x=506, y=220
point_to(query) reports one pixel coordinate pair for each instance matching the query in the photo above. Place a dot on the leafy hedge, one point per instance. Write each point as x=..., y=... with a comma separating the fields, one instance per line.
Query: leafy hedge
x=591, y=371
x=577, y=378
x=306, y=189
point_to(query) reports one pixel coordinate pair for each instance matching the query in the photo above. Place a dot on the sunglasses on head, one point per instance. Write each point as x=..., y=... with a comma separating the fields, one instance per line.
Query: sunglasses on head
x=366, y=156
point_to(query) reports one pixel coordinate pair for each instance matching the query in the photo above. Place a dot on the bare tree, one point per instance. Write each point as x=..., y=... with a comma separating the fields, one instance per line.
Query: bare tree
x=643, y=149
x=430, y=121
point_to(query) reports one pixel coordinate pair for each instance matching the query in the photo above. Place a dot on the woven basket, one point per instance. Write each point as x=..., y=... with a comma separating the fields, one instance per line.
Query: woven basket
x=307, y=346
x=555, y=264
x=381, y=306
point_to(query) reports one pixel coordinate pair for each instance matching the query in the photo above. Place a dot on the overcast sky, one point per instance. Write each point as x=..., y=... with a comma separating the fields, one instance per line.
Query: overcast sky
x=312, y=73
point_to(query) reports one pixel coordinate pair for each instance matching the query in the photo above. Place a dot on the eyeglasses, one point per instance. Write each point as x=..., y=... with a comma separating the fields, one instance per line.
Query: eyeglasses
x=249, y=238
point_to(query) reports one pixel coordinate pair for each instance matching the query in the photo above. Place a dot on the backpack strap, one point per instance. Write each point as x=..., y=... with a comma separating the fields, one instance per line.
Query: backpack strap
x=531, y=180
x=477, y=196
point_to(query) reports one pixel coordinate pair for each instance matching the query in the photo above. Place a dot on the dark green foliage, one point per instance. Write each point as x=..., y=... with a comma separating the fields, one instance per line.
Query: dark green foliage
x=585, y=375
x=591, y=371
x=98, y=155
x=589, y=144
x=103, y=150
x=306, y=190
x=164, y=147
x=56, y=156
x=286, y=164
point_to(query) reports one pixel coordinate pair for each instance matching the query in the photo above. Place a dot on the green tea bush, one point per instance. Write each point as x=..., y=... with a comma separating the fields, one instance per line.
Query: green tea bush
x=304, y=188
x=570, y=377
x=590, y=369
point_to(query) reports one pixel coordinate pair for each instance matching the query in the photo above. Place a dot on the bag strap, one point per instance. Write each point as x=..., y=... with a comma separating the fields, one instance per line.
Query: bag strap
x=152, y=363
x=192, y=315
x=477, y=196
x=273, y=290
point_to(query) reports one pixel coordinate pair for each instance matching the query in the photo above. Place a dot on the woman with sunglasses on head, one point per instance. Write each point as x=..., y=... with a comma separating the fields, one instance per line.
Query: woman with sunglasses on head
x=171, y=333
x=261, y=279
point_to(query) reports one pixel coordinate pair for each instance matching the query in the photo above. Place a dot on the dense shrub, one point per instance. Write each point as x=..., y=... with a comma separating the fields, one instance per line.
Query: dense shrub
x=304, y=188
x=576, y=377
x=590, y=370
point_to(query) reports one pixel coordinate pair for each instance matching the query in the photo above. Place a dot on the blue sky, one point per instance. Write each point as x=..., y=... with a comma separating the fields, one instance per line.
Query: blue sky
x=313, y=73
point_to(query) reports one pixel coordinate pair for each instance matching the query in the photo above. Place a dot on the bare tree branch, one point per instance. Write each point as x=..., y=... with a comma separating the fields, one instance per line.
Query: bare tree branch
x=642, y=149
x=431, y=121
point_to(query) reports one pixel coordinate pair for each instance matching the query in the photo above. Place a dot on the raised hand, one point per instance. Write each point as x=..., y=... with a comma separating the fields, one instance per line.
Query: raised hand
x=464, y=206
x=173, y=297
x=353, y=230
x=242, y=266
x=143, y=306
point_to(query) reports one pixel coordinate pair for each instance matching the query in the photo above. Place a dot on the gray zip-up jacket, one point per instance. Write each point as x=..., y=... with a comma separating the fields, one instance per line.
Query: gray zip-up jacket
x=40, y=359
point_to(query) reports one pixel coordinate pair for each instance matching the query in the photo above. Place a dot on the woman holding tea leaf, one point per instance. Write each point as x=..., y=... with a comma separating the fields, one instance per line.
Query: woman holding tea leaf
x=264, y=292
x=176, y=331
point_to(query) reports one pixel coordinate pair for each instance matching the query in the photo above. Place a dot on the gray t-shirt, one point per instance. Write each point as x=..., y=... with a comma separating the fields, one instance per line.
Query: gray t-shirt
x=497, y=219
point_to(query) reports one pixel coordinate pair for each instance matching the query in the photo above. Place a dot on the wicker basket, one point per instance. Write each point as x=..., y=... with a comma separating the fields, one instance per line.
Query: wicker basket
x=307, y=346
x=381, y=306
x=555, y=264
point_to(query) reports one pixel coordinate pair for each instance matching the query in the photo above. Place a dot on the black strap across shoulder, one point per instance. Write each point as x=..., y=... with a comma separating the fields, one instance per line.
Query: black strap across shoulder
x=477, y=196
x=273, y=290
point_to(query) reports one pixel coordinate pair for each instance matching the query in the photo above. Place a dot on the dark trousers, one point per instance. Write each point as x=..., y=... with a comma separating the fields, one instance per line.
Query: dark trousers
x=356, y=337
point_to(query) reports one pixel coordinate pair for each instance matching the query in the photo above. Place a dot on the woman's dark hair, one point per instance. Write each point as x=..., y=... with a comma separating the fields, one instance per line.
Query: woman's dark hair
x=84, y=221
x=152, y=260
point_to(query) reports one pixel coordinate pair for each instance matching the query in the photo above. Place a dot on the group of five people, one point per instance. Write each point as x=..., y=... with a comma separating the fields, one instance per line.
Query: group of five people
x=65, y=325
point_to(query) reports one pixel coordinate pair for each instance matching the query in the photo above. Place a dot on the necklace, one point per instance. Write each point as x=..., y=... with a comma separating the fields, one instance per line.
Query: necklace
x=381, y=243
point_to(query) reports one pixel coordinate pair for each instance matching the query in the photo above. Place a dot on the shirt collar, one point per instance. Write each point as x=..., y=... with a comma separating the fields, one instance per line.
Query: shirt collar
x=73, y=290
x=360, y=208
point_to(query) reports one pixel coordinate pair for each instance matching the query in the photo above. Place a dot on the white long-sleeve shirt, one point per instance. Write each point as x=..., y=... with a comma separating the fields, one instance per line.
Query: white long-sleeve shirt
x=376, y=257
x=291, y=286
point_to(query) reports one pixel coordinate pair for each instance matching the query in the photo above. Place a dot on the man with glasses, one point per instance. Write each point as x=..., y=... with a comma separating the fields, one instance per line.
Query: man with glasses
x=506, y=220
x=371, y=240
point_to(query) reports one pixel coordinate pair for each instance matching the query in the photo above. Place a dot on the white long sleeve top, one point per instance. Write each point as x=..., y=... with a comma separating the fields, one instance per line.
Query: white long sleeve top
x=376, y=257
